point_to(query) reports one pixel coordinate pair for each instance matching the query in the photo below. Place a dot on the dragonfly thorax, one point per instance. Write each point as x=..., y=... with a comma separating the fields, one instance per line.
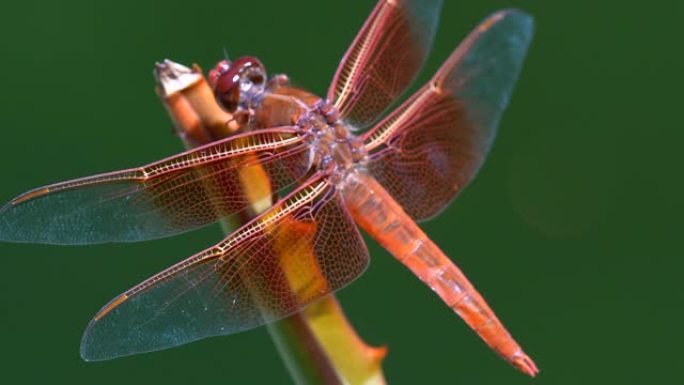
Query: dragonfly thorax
x=335, y=149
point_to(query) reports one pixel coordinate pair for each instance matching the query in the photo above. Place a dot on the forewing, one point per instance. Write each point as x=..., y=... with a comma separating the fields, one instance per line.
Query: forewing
x=383, y=59
x=300, y=250
x=178, y=194
x=429, y=148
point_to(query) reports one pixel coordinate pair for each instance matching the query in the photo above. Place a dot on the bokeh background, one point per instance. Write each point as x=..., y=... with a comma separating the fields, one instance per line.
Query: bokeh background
x=572, y=230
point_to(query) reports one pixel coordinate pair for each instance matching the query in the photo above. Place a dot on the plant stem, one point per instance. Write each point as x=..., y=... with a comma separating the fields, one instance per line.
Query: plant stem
x=317, y=345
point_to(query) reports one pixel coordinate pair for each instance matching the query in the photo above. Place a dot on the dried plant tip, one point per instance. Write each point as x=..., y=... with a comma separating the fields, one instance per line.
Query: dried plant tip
x=173, y=77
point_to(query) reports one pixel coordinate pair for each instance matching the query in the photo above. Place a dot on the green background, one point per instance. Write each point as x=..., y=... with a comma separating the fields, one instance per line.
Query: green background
x=572, y=230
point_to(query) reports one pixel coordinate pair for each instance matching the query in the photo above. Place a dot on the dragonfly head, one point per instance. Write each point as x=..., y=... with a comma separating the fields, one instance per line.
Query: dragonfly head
x=238, y=84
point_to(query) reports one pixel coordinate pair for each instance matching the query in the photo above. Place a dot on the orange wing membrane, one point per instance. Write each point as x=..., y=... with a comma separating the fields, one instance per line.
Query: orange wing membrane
x=245, y=281
x=437, y=140
x=178, y=194
x=383, y=59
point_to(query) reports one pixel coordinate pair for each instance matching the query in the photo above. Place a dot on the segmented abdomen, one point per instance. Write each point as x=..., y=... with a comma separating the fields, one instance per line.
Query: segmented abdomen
x=383, y=218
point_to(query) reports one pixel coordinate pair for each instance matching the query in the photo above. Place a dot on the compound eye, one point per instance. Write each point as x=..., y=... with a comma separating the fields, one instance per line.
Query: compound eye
x=227, y=90
x=239, y=83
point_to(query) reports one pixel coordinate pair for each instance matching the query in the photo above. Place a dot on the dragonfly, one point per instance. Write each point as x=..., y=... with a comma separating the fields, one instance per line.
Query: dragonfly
x=356, y=158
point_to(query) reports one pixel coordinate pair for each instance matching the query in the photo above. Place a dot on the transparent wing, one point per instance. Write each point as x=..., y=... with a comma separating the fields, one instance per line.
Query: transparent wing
x=437, y=140
x=383, y=59
x=181, y=193
x=300, y=250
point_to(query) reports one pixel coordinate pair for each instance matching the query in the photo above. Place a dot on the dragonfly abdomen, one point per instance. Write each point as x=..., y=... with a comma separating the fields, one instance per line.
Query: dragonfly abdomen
x=384, y=219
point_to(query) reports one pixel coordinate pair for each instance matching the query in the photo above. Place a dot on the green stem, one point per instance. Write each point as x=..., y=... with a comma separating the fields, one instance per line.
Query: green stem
x=303, y=356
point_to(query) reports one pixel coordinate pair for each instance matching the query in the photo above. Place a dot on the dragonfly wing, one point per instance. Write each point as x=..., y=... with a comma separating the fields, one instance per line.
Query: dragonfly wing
x=383, y=59
x=302, y=249
x=178, y=194
x=437, y=140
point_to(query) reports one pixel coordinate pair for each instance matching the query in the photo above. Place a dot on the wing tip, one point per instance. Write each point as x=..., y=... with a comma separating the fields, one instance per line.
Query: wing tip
x=85, y=350
x=524, y=21
x=89, y=351
x=7, y=234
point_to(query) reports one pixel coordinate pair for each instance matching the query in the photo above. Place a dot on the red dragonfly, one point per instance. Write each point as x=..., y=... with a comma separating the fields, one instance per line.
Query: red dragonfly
x=335, y=161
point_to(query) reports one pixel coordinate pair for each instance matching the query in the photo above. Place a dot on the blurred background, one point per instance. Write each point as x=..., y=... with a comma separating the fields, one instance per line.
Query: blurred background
x=572, y=230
